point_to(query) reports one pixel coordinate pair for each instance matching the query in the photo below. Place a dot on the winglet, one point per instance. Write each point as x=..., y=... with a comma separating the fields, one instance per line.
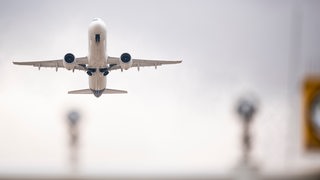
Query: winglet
x=17, y=63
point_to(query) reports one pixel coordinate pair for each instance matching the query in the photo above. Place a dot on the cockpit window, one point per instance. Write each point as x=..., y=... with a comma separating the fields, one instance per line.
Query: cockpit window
x=97, y=38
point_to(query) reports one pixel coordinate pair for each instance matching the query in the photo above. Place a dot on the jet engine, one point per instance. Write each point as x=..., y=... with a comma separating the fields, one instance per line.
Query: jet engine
x=125, y=61
x=69, y=61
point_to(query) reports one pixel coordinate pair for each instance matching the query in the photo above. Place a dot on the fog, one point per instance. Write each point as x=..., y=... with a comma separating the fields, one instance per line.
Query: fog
x=178, y=119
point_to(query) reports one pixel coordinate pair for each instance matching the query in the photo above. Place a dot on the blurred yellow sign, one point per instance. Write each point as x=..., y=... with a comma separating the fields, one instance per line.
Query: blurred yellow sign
x=311, y=105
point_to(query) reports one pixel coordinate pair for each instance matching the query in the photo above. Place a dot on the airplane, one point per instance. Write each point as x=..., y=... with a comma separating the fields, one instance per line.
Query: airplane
x=97, y=64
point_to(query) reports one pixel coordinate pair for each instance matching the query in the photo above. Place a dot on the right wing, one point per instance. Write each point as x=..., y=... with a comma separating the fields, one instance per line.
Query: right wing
x=81, y=62
x=114, y=62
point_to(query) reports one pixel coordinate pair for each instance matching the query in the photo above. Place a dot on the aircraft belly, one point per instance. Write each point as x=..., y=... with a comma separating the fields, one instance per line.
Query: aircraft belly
x=97, y=60
x=97, y=81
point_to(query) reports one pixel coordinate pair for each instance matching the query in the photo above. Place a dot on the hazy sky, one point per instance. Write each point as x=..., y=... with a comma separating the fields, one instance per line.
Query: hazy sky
x=176, y=119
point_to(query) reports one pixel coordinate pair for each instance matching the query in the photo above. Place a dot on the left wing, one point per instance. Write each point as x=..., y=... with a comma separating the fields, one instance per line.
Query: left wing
x=55, y=63
x=114, y=63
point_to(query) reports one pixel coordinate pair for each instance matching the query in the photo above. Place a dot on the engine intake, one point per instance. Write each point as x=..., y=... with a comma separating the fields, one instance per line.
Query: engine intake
x=125, y=57
x=125, y=61
x=69, y=58
x=69, y=61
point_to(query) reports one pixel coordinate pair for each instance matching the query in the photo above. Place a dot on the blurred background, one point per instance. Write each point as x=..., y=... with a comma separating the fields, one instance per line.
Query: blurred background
x=176, y=121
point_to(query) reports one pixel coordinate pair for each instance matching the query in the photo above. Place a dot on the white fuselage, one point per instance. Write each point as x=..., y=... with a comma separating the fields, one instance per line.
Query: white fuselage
x=97, y=64
x=97, y=55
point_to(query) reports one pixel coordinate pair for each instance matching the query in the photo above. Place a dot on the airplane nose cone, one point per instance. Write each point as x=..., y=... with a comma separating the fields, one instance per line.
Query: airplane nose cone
x=97, y=25
x=96, y=19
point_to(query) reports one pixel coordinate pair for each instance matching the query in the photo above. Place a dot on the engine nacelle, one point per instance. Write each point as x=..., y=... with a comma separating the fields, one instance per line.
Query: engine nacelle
x=69, y=61
x=125, y=61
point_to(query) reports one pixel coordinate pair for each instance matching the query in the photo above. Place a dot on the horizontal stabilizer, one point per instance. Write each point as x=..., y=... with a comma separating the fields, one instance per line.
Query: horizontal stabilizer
x=114, y=91
x=106, y=91
x=82, y=91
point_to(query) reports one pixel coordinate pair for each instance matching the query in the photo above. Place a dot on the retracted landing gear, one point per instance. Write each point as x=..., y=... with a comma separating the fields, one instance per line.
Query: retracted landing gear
x=90, y=71
x=104, y=71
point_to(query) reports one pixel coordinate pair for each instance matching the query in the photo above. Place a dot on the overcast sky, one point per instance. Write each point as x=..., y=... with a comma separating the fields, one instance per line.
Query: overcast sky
x=176, y=119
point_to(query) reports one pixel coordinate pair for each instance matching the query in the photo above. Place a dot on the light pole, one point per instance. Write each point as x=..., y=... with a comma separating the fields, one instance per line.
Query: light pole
x=73, y=118
x=246, y=109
